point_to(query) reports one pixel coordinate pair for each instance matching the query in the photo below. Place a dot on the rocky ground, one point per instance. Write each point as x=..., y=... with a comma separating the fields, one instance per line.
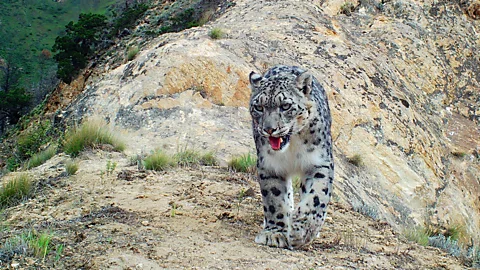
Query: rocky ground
x=120, y=217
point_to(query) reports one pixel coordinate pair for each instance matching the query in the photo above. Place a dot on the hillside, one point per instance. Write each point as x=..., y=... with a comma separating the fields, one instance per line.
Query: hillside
x=30, y=26
x=187, y=218
x=402, y=80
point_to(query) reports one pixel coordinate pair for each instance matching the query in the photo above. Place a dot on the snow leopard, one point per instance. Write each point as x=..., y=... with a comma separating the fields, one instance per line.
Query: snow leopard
x=291, y=124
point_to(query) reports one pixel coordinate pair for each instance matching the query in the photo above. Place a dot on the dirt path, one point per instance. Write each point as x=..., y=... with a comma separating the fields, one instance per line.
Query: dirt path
x=188, y=218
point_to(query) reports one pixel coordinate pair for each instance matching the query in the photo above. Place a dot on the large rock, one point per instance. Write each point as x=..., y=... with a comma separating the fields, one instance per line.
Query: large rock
x=402, y=79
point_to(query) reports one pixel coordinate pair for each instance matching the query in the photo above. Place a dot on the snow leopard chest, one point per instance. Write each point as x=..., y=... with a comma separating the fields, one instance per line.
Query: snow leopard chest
x=295, y=160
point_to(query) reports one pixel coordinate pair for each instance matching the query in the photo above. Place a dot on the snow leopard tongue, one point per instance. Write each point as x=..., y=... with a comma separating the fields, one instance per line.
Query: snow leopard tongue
x=275, y=142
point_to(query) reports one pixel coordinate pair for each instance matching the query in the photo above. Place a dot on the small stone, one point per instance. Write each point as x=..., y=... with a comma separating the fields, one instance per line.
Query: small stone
x=145, y=223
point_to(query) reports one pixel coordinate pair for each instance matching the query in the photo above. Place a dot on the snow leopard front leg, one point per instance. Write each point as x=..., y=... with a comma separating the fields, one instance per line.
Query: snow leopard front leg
x=277, y=206
x=309, y=215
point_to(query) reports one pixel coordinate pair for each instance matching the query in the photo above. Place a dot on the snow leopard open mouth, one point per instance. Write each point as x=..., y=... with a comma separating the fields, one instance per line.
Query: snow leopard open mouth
x=278, y=143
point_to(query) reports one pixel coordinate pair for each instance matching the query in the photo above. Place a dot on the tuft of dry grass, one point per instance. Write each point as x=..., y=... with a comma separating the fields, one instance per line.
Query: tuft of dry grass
x=89, y=135
x=16, y=190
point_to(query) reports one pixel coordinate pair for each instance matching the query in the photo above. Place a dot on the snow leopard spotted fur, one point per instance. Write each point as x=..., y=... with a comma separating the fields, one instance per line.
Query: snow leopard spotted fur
x=291, y=127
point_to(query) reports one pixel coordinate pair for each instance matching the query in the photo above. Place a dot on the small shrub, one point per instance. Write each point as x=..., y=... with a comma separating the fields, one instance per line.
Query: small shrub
x=216, y=33
x=187, y=157
x=71, y=167
x=40, y=158
x=89, y=135
x=366, y=210
x=132, y=52
x=446, y=243
x=356, y=160
x=208, y=159
x=29, y=142
x=110, y=167
x=158, y=161
x=459, y=155
x=15, y=190
x=244, y=163
x=347, y=8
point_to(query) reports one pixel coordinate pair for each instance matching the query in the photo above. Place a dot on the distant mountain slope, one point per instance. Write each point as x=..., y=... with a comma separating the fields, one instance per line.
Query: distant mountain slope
x=30, y=26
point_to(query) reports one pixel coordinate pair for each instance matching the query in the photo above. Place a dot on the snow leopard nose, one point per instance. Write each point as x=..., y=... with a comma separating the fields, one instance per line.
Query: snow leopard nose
x=269, y=130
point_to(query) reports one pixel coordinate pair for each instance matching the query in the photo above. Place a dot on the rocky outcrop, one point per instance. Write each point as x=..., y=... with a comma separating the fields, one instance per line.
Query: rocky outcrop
x=402, y=78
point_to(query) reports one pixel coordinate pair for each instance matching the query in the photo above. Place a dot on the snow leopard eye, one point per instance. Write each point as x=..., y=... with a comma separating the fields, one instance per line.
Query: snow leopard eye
x=285, y=107
x=258, y=108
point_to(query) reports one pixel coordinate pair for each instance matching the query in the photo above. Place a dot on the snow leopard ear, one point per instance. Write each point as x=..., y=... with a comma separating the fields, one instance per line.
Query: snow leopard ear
x=304, y=82
x=255, y=79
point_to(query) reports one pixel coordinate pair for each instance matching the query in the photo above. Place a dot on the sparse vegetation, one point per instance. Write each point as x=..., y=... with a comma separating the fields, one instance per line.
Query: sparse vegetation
x=110, y=167
x=417, y=234
x=459, y=155
x=356, y=160
x=89, y=135
x=132, y=52
x=58, y=251
x=41, y=157
x=366, y=210
x=187, y=157
x=352, y=241
x=216, y=33
x=158, y=161
x=175, y=207
x=448, y=240
x=244, y=163
x=190, y=157
x=15, y=190
x=208, y=159
x=28, y=243
x=347, y=8
x=29, y=142
x=71, y=167
x=128, y=18
x=40, y=244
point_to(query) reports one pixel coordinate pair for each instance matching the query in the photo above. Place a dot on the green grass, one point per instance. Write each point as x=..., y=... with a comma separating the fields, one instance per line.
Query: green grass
x=190, y=157
x=132, y=52
x=41, y=157
x=15, y=190
x=28, y=243
x=216, y=33
x=158, y=161
x=71, y=167
x=89, y=135
x=40, y=245
x=244, y=163
x=417, y=234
